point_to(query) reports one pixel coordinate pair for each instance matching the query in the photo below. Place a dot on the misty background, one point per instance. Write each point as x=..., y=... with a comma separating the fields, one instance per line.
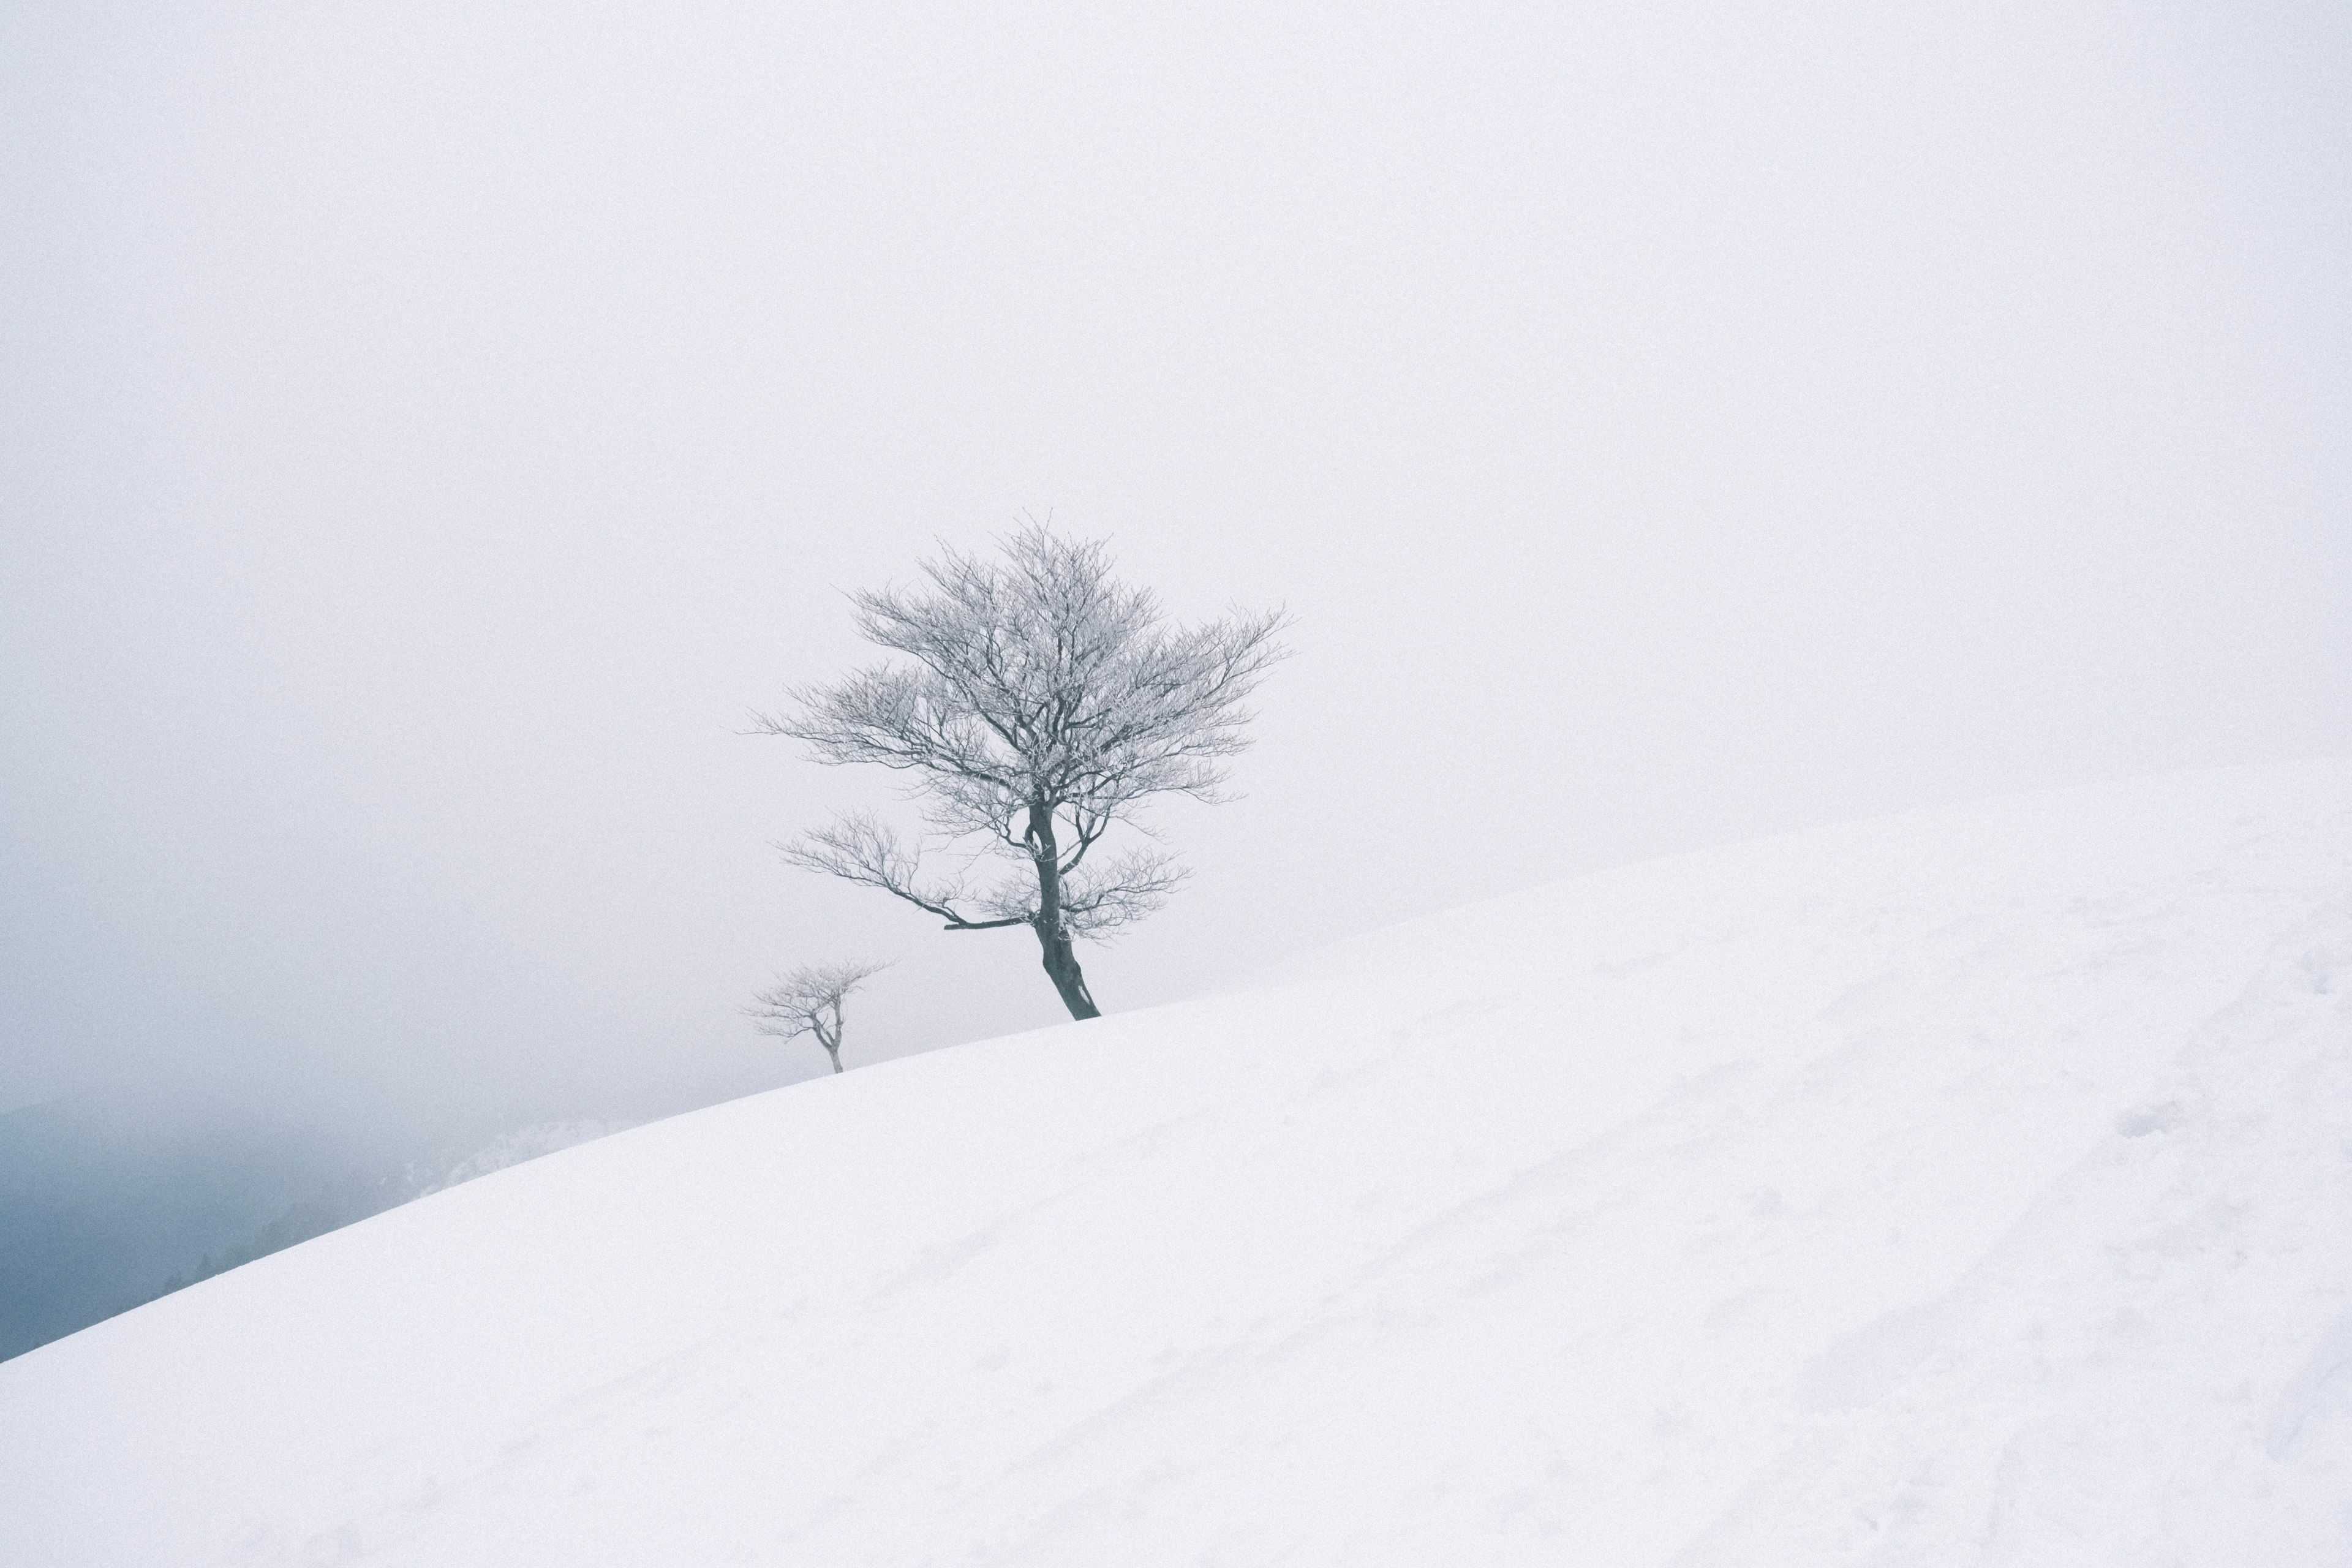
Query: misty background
x=430, y=431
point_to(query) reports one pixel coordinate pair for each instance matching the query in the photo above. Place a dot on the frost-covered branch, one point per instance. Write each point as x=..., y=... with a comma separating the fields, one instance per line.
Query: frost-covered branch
x=1096, y=902
x=863, y=850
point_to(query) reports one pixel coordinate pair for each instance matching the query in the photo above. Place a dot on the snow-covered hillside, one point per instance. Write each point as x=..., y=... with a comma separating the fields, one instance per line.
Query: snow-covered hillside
x=1973, y=1187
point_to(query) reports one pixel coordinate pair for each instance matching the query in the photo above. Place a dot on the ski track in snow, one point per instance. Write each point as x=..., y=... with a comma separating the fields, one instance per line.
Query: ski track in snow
x=1971, y=1187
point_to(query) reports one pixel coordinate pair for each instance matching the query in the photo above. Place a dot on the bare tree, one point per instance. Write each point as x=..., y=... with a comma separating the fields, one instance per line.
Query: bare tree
x=1048, y=702
x=808, y=1002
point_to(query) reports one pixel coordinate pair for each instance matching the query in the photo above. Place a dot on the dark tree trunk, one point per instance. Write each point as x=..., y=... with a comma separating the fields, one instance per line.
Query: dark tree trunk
x=1053, y=937
x=1062, y=968
x=834, y=1052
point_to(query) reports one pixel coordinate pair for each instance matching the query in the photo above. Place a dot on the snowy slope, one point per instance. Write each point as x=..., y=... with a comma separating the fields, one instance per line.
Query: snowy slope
x=1973, y=1187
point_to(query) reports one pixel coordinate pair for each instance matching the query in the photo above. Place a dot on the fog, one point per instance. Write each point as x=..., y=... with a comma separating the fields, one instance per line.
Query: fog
x=430, y=431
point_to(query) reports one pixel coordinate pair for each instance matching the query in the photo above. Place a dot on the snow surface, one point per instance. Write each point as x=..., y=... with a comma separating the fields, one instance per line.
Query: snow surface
x=1969, y=1187
x=535, y=1141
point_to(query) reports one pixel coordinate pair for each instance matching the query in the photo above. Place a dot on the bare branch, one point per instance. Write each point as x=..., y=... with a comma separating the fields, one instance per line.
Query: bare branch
x=862, y=849
x=1099, y=901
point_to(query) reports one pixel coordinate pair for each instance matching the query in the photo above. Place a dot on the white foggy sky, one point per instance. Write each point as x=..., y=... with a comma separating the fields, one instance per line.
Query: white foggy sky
x=429, y=430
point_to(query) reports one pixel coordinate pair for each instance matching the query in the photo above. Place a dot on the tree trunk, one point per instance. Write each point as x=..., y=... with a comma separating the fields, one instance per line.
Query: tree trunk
x=834, y=1052
x=1061, y=967
x=1053, y=937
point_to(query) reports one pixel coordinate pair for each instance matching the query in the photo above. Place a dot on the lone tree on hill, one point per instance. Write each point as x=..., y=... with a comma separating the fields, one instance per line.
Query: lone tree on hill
x=1048, y=702
x=808, y=1002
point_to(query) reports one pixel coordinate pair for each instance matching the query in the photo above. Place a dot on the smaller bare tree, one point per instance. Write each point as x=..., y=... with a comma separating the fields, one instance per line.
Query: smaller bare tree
x=808, y=1002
